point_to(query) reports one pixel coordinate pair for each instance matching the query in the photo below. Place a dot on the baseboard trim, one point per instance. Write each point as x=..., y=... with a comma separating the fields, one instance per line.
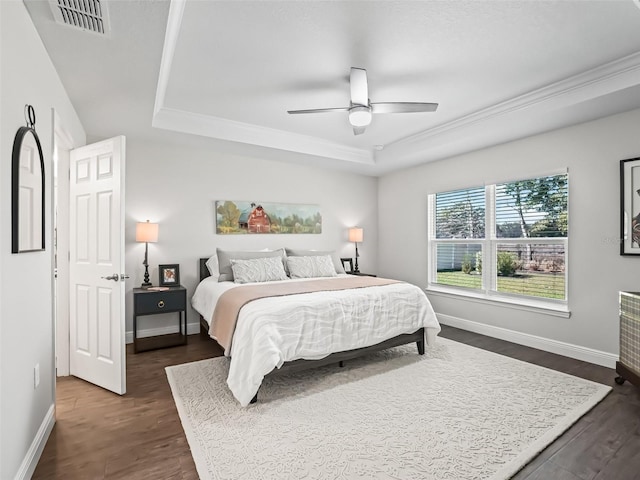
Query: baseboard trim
x=30, y=461
x=570, y=350
x=192, y=328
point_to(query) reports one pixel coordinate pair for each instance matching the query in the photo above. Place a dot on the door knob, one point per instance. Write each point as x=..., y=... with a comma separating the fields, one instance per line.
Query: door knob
x=115, y=277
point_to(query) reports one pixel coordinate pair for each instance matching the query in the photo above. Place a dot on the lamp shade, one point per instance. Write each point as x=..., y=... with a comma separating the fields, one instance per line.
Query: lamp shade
x=356, y=234
x=146, y=232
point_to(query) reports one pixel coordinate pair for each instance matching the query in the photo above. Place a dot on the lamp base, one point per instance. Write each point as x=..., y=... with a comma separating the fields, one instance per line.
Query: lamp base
x=355, y=267
x=146, y=283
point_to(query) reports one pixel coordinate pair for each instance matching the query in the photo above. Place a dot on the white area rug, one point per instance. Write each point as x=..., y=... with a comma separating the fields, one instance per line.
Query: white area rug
x=457, y=412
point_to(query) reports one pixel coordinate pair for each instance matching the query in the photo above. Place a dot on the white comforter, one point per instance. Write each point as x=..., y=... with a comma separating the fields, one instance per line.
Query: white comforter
x=271, y=331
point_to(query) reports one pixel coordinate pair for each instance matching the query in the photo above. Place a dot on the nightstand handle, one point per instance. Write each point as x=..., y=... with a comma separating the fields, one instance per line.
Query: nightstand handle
x=161, y=304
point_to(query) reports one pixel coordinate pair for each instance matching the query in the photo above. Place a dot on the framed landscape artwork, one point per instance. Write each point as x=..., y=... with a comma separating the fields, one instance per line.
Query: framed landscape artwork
x=251, y=217
x=630, y=206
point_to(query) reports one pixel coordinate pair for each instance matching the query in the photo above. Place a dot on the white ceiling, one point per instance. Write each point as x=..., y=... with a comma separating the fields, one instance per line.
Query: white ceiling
x=229, y=70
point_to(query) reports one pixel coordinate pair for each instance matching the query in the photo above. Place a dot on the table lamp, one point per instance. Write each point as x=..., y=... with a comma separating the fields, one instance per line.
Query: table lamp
x=148, y=233
x=356, y=235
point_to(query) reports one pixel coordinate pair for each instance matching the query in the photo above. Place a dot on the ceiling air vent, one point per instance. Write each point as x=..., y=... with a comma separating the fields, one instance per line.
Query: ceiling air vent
x=88, y=15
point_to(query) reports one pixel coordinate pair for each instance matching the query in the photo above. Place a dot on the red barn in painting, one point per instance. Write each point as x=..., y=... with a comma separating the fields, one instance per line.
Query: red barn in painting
x=255, y=220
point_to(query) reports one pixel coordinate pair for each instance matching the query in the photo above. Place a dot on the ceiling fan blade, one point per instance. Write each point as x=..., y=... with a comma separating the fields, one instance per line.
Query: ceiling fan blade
x=359, y=87
x=403, y=107
x=358, y=130
x=319, y=110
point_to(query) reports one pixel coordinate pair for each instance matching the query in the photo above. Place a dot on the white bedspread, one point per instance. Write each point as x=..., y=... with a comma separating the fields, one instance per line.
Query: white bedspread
x=271, y=331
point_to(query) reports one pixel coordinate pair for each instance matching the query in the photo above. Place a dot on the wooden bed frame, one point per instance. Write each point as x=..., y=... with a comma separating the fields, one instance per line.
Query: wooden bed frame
x=338, y=357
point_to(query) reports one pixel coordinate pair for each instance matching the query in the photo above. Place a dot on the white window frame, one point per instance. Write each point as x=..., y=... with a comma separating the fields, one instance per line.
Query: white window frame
x=489, y=293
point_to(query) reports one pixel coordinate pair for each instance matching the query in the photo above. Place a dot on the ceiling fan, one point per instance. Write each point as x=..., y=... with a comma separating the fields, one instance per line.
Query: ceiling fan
x=361, y=109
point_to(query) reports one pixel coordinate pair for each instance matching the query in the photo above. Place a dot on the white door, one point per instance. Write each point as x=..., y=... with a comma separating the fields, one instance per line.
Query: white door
x=96, y=264
x=62, y=146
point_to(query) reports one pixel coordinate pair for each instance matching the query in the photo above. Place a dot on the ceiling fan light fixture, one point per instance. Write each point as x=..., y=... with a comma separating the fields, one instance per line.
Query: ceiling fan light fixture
x=360, y=107
x=360, y=116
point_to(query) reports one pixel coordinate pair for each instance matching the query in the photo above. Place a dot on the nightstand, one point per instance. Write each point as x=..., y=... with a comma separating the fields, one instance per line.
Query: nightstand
x=152, y=302
x=362, y=274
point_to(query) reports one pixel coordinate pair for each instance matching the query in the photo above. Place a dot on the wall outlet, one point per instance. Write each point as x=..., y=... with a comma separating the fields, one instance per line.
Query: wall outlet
x=36, y=375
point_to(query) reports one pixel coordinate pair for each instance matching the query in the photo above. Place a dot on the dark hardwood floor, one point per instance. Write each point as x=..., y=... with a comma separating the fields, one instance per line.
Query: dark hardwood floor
x=100, y=435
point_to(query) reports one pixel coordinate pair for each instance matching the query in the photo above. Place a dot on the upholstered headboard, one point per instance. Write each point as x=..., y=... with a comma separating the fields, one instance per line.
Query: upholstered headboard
x=338, y=262
x=202, y=268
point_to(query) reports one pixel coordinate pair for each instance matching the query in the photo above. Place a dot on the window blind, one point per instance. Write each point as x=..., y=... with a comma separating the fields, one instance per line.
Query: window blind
x=532, y=208
x=460, y=214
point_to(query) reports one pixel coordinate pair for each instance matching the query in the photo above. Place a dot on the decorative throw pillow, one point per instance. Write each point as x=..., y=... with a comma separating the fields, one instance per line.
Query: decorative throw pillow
x=258, y=270
x=225, y=256
x=292, y=252
x=212, y=266
x=311, y=266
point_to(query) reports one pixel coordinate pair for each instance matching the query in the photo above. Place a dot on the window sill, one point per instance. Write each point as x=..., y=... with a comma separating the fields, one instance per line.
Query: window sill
x=547, y=308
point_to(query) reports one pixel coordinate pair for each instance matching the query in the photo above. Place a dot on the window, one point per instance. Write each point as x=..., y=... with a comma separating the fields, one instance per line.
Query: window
x=506, y=241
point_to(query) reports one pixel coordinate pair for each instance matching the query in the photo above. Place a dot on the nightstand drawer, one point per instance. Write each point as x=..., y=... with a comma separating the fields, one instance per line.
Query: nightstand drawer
x=159, y=302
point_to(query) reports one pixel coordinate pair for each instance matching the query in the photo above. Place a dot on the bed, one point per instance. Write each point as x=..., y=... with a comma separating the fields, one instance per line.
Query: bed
x=295, y=332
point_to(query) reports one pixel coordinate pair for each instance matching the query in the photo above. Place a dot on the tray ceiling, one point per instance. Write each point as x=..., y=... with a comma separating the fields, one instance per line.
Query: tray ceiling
x=229, y=71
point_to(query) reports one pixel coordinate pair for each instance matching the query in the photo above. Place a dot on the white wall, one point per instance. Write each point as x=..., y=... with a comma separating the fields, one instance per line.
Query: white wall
x=597, y=272
x=178, y=187
x=27, y=76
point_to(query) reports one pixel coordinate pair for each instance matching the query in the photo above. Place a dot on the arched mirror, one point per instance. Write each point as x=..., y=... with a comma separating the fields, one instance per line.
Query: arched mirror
x=27, y=189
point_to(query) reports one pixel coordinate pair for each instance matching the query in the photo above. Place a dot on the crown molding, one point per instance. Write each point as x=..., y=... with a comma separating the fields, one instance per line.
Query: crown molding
x=174, y=23
x=607, y=78
x=518, y=117
x=544, y=109
x=225, y=129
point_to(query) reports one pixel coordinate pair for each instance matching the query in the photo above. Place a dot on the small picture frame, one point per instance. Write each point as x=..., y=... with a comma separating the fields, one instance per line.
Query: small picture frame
x=347, y=264
x=169, y=275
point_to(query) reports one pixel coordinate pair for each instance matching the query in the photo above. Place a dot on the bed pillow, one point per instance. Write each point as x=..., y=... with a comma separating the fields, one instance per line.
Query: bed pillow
x=311, y=266
x=225, y=256
x=212, y=266
x=266, y=269
x=292, y=252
